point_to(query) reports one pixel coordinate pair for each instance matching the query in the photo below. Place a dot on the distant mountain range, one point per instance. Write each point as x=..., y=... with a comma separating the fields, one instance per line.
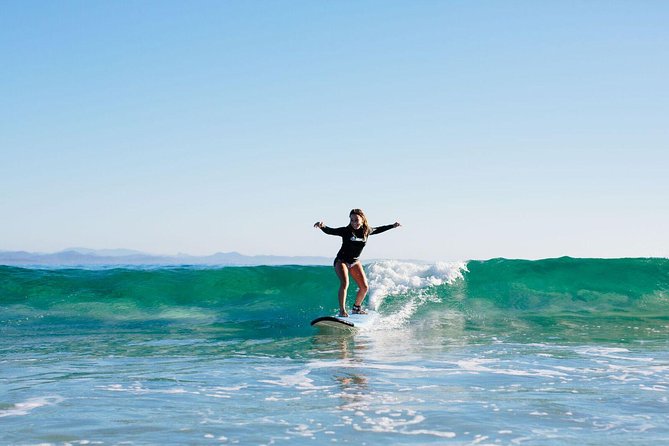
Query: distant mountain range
x=110, y=257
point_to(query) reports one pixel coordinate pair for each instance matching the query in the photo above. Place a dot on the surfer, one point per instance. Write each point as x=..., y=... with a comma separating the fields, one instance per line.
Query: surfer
x=354, y=237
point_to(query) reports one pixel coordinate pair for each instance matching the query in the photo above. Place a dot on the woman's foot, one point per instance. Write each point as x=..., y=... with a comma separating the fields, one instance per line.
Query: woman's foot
x=358, y=310
x=343, y=313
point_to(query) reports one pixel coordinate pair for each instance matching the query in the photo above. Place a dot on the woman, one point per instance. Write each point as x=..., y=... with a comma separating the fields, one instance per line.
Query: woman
x=353, y=240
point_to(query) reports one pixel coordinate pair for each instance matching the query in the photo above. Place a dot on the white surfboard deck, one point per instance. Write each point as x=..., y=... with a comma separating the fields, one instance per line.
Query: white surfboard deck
x=352, y=322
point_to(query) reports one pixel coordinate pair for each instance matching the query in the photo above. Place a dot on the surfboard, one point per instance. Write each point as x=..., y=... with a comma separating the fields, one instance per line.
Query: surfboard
x=352, y=322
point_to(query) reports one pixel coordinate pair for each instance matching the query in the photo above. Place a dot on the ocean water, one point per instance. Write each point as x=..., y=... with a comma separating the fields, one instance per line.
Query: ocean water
x=498, y=352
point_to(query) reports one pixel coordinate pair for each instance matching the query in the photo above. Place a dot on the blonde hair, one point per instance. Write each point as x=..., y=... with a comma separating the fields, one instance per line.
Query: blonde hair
x=365, y=224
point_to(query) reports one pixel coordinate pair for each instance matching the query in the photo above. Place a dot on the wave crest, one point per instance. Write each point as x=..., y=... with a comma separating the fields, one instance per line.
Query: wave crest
x=391, y=277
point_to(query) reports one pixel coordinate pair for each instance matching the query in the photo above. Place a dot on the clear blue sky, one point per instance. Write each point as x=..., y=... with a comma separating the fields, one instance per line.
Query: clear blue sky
x=487, y=128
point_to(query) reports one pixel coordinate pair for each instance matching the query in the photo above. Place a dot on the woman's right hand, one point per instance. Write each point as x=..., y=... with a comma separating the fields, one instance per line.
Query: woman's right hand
x=319, y=225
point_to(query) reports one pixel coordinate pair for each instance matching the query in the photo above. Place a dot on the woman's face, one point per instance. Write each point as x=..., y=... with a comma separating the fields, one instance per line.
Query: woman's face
x=356, y=221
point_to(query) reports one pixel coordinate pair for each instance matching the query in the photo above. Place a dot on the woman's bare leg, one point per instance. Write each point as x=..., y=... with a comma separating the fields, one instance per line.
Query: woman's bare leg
x=342, y=272
x=360, y=278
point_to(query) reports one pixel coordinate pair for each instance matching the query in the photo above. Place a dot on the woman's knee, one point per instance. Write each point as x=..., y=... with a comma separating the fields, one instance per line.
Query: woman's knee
x=359, y=276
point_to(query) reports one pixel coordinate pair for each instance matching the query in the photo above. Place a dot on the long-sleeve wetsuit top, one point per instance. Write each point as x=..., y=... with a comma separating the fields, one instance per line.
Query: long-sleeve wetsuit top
x=352, y=241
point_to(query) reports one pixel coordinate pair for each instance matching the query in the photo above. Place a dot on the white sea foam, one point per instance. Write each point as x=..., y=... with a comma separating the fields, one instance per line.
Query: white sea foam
x=611, y=353
x=297, y=380
x=478, y=365
x=27, y=406
x=397, y=422
x=433, y=433
x=138, y=388
x=392, y=277
x=342, y=364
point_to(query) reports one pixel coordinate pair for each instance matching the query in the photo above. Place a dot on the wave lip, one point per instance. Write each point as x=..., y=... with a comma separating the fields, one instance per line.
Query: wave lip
x=390, y=277
x=410, y=280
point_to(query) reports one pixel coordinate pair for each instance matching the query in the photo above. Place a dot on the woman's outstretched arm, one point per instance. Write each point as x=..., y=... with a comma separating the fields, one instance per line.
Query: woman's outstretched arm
x=380, y=229
x=330, y=231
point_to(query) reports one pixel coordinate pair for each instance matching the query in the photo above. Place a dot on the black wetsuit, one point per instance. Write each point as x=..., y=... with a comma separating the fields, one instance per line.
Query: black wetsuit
x=352, y=241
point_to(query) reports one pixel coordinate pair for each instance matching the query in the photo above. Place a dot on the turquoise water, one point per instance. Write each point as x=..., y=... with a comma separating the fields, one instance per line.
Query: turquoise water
x=495, y=352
